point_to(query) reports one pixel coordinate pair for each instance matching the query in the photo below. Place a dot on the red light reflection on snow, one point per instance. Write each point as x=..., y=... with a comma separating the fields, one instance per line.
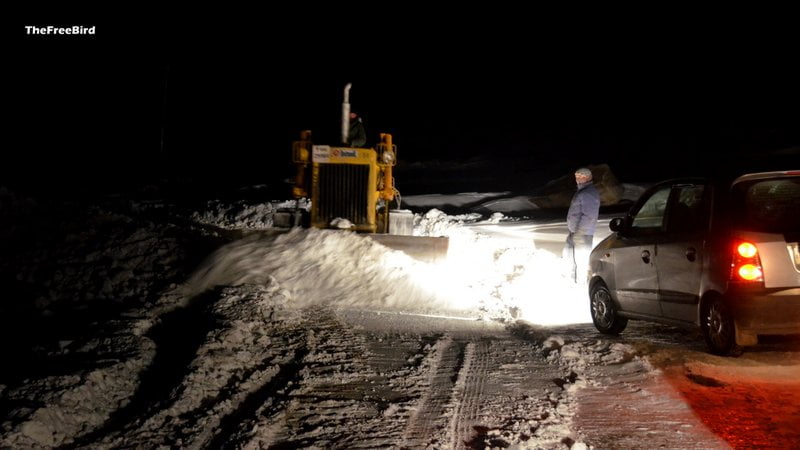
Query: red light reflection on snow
x=748, y=412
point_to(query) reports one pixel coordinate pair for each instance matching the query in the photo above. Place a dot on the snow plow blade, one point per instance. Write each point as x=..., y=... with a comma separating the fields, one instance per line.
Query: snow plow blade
x=422, y=248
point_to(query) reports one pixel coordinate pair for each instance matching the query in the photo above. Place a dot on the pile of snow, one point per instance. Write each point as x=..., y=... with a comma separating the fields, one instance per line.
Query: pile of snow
x=113, y=255
x=243, y=214
x=437, y=223
x=57, y=408
x=485, y=276
x=350, y=270
x=88, y=253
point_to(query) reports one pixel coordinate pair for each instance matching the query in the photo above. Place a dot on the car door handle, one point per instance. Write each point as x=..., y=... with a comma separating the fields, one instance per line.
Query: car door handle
x=691, y=254
x=646, y=256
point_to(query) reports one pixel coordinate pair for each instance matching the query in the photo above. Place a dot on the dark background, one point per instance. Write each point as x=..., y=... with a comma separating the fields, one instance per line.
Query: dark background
x=219, y=102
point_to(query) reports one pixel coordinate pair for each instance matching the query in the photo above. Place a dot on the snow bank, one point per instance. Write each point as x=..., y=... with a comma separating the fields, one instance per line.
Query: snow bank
x=243, y=214
x=339, y=268
x=52, y=410
x=84, y=254
x=484, y=276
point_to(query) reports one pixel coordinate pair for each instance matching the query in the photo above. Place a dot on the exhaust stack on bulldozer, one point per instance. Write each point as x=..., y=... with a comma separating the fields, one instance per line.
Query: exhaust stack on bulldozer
x=346, y=113
x=353, y=188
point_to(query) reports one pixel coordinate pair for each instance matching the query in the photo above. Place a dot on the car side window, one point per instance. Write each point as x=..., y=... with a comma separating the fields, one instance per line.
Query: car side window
x=650, y=217
x=686, y=212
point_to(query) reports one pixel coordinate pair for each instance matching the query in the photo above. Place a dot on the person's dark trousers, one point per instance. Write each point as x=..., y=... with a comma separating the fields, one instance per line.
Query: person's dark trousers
x=576, y=255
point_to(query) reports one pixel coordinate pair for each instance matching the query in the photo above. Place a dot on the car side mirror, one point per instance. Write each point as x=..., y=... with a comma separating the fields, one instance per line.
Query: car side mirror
x=617, y=224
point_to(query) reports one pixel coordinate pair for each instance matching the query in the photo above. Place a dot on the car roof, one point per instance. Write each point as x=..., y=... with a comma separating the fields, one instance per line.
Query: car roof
x=725, y=181
x=765, y=175
x=682, y=180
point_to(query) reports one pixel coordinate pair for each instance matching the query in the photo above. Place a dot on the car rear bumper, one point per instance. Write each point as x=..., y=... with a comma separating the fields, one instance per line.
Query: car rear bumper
x=773, y=312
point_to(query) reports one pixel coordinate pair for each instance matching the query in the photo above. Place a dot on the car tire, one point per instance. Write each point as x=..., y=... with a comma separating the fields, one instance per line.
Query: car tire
x=718, y=329
x=604, y=312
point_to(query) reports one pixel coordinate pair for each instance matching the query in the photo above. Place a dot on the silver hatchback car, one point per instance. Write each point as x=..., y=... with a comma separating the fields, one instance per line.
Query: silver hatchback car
x=721, y=257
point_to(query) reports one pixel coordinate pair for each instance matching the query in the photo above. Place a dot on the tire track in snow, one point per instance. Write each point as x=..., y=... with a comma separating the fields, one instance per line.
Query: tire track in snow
x=330, y=382
x=469, y=388
x=429, y=424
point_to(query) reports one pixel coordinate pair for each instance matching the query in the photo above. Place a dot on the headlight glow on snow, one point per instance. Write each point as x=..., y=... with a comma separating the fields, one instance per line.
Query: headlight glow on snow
x=503, y=278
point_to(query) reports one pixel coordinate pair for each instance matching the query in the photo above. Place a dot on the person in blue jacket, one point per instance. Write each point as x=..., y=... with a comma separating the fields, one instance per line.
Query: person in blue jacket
x=581, y=222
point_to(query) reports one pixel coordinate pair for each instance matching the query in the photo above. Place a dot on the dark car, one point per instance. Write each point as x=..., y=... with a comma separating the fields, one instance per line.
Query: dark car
x=722, y=257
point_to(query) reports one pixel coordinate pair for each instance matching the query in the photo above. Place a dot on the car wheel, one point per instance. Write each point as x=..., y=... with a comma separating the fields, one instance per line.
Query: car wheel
x=718, y=329
x=604, y=312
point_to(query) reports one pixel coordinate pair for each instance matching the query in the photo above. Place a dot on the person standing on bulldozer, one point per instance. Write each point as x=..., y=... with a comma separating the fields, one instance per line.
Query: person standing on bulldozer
x=357, y=136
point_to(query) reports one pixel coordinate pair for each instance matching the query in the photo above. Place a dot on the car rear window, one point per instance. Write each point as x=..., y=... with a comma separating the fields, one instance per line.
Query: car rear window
x=771, y=205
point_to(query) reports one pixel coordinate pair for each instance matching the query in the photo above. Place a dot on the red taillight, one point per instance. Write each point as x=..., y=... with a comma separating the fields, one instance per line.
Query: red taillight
x=750, y=272
x=746, y=265
x=746, y=250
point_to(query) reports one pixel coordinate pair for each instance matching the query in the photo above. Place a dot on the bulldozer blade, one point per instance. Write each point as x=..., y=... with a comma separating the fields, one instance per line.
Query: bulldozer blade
x=422, y=248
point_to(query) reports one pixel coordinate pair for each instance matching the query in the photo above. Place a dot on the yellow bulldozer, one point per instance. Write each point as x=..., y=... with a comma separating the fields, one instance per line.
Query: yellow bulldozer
x=353, y=188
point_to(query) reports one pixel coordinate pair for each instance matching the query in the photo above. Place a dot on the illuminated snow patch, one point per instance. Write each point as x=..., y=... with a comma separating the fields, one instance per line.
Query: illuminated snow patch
x=503, y=277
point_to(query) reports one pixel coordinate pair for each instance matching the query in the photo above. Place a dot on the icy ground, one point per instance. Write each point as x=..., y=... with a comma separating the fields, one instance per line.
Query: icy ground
x=132, y=323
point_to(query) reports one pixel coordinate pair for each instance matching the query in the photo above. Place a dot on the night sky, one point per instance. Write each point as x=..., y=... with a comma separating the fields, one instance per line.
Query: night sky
x=228, y=97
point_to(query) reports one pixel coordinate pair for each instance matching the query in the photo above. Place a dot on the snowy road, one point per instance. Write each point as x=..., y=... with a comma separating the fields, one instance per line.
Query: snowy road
x=327, y=340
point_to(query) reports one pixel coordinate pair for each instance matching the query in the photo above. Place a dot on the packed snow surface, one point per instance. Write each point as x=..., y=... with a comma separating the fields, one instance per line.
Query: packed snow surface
x=163, y=326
